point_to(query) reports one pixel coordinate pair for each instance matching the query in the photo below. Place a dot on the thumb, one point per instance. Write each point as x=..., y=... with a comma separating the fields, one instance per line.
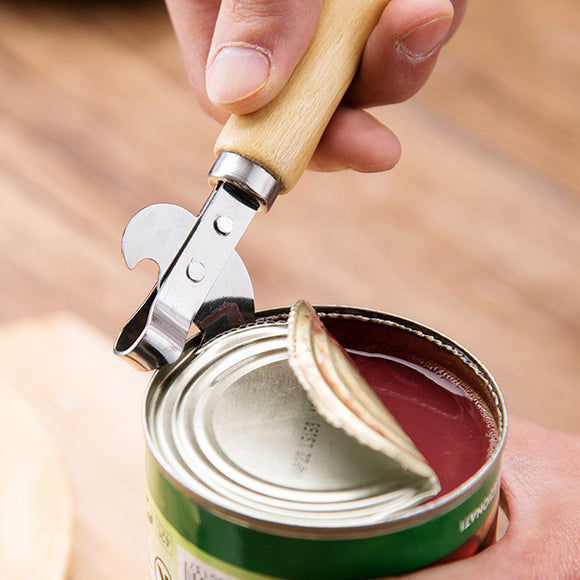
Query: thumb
x=255, y=47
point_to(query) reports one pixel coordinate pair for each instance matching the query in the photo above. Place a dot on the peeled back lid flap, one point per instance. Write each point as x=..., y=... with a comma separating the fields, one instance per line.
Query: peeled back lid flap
x=344, y=399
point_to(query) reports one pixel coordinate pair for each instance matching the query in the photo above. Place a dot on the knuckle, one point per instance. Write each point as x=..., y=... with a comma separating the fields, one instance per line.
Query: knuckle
x=252, y=12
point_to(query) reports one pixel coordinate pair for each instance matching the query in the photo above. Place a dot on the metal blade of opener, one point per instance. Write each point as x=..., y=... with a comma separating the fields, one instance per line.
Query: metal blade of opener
x=201, y=278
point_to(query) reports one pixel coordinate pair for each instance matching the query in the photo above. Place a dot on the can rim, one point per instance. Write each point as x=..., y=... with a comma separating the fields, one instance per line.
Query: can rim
x=407, y=518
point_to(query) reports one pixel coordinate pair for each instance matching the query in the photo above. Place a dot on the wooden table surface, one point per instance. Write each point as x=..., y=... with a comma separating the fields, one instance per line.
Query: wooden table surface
x=476, y=232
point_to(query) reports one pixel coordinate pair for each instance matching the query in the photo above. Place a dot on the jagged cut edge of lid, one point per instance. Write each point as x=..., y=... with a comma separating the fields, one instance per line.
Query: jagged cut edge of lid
x=342, y=396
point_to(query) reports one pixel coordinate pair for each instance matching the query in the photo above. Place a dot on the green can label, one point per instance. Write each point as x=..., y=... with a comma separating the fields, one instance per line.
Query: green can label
x=188, y=543
x=172, y=557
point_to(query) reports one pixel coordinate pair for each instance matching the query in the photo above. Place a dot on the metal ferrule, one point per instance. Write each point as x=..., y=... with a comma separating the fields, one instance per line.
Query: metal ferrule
x=254, y=181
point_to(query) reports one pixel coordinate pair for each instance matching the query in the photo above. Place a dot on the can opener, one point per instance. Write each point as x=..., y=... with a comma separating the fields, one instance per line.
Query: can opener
x=202, y=280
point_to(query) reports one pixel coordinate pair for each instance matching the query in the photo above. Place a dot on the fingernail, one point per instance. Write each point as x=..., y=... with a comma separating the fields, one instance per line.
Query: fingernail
x=426, y=38
x=236, y=73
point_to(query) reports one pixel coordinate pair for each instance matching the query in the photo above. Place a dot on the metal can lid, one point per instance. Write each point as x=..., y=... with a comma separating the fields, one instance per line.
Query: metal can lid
x=343, y=397
x=233, y=426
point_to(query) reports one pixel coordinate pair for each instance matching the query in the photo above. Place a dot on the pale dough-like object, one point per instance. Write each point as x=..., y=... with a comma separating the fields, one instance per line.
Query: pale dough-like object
x=36, y=512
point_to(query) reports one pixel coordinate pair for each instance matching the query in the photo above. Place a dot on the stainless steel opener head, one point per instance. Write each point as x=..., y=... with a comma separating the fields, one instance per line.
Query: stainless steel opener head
x=202, y=280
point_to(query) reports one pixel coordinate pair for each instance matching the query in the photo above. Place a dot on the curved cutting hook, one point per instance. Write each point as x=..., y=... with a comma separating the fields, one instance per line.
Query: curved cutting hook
x=156, y=333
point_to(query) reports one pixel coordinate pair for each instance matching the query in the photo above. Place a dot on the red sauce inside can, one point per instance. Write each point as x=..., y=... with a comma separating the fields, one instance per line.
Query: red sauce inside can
x=448, y=423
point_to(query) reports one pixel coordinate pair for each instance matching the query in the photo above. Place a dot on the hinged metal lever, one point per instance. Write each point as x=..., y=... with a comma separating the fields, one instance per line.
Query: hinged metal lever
x=199, y=282
x=202, y=280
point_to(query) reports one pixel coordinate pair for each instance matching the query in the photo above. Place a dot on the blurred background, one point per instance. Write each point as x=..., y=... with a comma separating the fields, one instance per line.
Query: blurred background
x=476, y=232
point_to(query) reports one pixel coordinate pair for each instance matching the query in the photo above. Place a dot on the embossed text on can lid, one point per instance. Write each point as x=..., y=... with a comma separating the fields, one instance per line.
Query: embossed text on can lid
x=344, y=399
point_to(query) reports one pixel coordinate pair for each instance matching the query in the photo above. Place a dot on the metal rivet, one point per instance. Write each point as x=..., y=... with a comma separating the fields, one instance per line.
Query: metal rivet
x=196, y=271
x=224, y=225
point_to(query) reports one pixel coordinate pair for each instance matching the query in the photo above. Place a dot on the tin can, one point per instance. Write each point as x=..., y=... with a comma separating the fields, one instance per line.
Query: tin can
x=234, y=491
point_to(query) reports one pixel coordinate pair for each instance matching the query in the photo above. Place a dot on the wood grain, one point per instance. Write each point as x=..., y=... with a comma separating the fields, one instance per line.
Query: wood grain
x=476, y=232
x=282, y=136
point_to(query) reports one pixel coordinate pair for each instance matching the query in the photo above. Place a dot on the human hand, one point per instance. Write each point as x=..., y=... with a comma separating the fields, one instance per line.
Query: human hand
x=240, y=53
x=541, y=494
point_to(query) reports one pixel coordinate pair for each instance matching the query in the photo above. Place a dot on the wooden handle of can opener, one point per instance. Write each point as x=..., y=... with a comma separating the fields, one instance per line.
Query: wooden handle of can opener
x=282, y=136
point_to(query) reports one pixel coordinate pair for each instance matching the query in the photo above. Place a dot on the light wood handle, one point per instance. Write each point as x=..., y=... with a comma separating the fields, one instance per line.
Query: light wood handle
x=282, y=136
